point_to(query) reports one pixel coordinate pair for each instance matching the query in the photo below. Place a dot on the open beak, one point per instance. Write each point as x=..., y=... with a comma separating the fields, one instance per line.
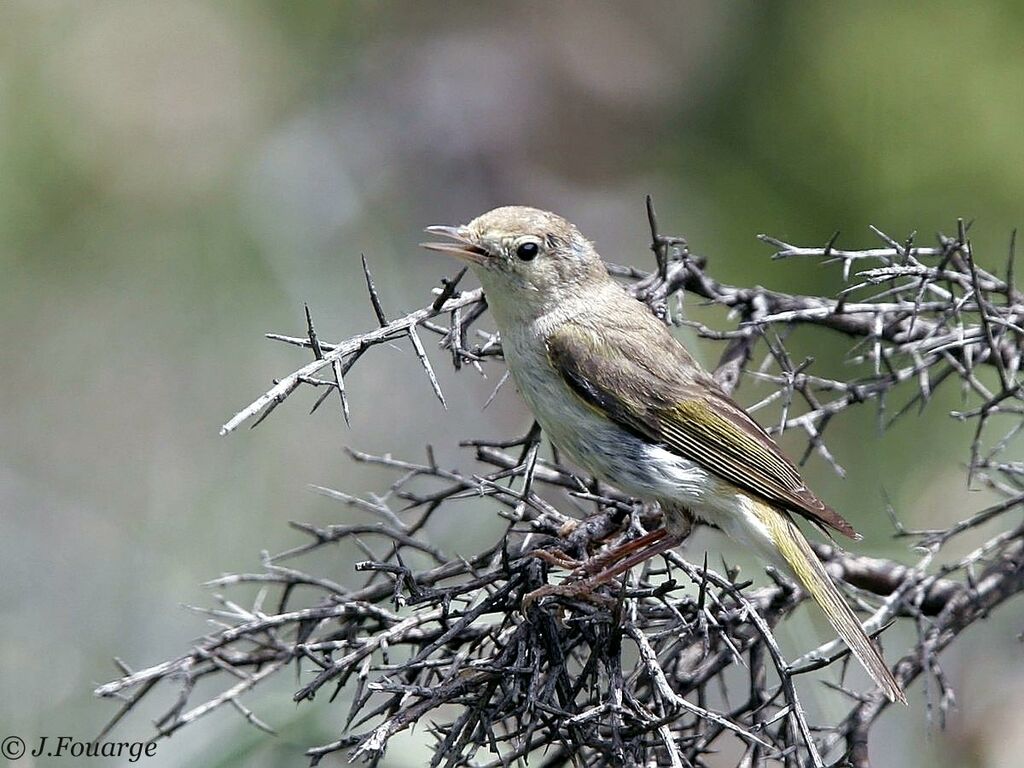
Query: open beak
x=461, y=248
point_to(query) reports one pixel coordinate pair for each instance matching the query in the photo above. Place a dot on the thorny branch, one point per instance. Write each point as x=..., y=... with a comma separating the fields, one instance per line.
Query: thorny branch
x=677, y=660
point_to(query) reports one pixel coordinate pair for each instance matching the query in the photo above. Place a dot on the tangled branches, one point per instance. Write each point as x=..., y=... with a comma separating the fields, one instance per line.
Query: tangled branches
x=676, y=660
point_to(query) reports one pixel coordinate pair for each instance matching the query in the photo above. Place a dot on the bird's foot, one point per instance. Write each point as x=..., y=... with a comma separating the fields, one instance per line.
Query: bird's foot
x=557, y=558
x=593, y=572
x=598, y=563
x=574, y=590
x=609, y=559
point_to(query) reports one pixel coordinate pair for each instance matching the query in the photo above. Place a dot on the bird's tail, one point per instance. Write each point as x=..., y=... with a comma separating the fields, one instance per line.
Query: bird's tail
x=811, y=574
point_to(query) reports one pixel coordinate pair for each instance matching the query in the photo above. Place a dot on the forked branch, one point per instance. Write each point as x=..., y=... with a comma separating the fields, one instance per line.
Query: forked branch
x=676, y=660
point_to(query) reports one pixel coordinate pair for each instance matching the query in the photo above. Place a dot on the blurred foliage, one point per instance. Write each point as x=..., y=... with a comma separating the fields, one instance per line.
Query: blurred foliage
x=177, y=178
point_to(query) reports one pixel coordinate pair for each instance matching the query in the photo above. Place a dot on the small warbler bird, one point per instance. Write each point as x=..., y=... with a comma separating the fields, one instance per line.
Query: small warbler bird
x=610, y=385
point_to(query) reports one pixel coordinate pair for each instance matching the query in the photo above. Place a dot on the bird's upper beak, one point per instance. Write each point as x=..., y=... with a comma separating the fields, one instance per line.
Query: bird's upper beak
x=463, y=246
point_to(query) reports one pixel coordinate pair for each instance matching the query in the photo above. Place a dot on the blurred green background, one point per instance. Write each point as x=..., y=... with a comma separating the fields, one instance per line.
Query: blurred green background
x=177, y=178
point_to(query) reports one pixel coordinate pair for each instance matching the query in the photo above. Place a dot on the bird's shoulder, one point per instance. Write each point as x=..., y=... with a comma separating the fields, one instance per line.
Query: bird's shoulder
x=621, y=339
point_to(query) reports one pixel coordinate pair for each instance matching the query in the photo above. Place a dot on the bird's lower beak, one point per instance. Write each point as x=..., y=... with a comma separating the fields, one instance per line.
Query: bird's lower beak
x=462, y=248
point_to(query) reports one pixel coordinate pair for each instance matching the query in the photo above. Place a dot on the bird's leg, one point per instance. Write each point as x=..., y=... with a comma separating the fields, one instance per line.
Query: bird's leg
x=559, y=559
x=611, y=564
x=678, y=525
x=598, y=563
x=633, y=556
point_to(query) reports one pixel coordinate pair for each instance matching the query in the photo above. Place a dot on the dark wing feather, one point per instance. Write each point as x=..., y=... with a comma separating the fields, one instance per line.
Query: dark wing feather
x=644, y=380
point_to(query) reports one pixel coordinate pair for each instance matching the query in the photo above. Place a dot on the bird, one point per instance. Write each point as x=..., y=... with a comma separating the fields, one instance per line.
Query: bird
x=611, y=386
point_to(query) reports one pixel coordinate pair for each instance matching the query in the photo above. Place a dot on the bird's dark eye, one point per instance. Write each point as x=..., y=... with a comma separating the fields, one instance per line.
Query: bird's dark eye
x=527, y=251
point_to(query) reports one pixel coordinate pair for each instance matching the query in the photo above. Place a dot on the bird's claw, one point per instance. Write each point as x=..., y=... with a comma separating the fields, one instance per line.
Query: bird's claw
x=558, y=559
x=578, y=590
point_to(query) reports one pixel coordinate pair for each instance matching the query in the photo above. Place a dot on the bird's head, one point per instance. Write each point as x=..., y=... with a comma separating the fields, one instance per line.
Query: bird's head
x=525, y=255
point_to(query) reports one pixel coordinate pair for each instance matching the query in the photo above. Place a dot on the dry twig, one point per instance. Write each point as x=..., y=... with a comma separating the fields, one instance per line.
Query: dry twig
x=679, y=659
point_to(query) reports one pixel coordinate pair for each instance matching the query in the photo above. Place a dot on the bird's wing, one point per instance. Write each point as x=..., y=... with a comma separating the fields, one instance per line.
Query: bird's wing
x=640, y=377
